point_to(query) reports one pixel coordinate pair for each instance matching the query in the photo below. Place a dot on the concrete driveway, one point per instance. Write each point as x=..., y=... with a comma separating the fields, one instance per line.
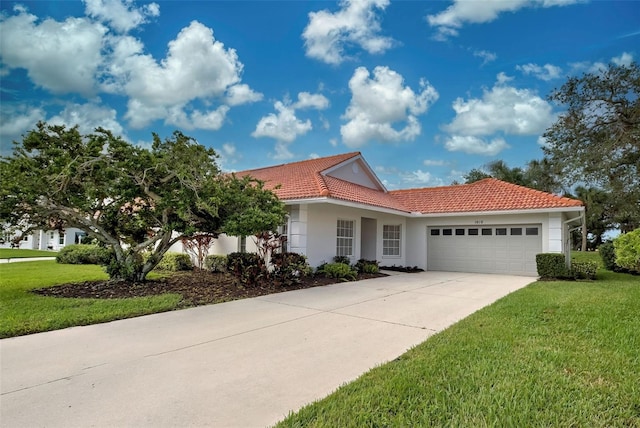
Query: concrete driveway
x=238, y=364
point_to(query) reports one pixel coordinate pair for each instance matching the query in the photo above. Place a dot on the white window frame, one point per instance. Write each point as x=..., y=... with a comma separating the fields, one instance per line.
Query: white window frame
x=345, y=237
x=396, y=239
x=283, y=230
x=242, y=244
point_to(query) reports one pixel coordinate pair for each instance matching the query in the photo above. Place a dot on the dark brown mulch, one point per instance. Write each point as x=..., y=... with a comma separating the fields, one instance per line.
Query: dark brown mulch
x=196, y=288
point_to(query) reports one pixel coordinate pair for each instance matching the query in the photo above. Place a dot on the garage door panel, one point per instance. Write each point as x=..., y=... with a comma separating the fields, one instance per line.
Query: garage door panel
x=486, y=252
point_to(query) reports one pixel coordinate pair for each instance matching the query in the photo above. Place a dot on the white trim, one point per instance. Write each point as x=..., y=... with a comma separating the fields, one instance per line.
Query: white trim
x=350, y=204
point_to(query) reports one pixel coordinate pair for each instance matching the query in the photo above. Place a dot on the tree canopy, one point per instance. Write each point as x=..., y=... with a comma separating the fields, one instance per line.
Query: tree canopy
x=129, y=198
x=538, y=174
x=596, y=141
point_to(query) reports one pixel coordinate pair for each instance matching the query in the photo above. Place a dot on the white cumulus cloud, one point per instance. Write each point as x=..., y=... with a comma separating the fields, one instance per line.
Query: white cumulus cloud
x=284, y=125
x=197, y=67
x=543, y=72
x=356, y=23
x=474, y=145
x=502, y=110
x=88, y=117
x=122, y=16
x=380, y=101
x=461, y=12
x=61, y=57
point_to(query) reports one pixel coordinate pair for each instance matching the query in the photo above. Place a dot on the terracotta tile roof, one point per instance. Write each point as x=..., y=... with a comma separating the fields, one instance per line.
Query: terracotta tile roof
x=489, y=194
x=347, y=191
x=304, y=180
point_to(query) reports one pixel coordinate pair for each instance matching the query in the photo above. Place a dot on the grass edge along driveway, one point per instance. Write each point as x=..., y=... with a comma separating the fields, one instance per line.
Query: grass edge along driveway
x=22, y=312
x=551, y=354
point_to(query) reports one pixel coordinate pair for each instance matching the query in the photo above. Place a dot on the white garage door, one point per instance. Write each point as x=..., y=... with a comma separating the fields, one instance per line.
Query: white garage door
x=507, y=249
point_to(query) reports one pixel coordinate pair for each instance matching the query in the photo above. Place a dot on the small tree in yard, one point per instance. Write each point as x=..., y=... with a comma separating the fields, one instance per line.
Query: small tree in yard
x=128, y=198
x=198, y=246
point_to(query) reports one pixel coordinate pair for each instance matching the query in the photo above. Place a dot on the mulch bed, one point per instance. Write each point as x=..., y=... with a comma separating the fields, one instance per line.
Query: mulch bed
x=196, y=288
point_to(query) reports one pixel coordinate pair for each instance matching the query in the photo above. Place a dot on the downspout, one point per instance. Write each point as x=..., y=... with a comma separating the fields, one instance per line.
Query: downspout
x=567, y=243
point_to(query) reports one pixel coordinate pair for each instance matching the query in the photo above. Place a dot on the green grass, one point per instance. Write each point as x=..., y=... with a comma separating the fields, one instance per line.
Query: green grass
x=15, y=253
x=22, y=312
x=552, y=354
x=587, y=256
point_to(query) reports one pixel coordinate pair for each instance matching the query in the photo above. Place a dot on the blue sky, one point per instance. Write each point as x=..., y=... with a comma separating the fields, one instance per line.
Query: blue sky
x=426, y=90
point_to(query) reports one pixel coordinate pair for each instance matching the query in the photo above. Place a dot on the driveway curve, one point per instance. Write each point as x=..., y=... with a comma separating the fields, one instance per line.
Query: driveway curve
x=246, y=363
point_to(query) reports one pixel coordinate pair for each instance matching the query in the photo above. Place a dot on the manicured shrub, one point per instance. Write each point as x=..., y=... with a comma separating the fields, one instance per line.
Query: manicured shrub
x=627, y=248
x=340, y=271
x=289, y=268
x=247, y=268
x=342, y=259
x=584, y=270
x=367, y=266
x=551, y=266
x=82, y=254
x=608, y=255
x=175, y=262
x=216, y=263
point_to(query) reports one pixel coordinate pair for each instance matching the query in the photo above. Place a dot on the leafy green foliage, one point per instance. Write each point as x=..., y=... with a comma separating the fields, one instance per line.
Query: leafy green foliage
x=340, y=271
x=289, y=268
x=627, y=249
x=367, y=266
x=608, y=255
x=216, y=263
x=597, y=139
x=81, y=254
x=538, y=174
x=128, y=198
x=551, y=266
x=584, y=270
x=248, y=268
x=341, y=259
x=175, y=262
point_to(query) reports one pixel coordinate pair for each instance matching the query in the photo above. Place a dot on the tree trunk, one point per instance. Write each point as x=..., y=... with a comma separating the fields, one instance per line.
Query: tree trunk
x=584, y=237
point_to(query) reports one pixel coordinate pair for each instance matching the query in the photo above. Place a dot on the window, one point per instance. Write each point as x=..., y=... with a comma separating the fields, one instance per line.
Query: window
x=501, y=231
x=284, y=234
x=487, y=231
x=242, y=245
x=531, y=231
x=446, y=232
x=473, y=232
x=435, y=232
x=459, y=232
x=50, y=235
x=344, y=242
x=516, y=231
x=391, y=240
x=61, y=238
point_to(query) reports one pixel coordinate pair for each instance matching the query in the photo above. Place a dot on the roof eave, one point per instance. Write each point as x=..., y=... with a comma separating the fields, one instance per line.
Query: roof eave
x=502, y=212
x=344, y=203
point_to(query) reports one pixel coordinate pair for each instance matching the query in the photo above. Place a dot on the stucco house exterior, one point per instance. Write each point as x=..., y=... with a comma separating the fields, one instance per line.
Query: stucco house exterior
x=337, y=206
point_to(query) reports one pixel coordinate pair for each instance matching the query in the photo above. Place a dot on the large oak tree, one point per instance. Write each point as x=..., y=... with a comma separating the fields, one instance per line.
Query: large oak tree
x=131, y=199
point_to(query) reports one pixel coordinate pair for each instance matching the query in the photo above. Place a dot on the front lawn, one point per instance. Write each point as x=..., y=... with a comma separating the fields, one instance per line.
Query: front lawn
x=551, y=354
x=22, y=312
x=17, y=253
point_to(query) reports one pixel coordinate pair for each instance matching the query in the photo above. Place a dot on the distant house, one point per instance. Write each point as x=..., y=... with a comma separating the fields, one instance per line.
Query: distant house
x=337, y=206
x=53, y=240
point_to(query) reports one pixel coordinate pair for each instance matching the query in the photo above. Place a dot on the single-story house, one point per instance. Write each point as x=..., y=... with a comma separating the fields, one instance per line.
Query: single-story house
x=338, y=206
x=53, y=240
